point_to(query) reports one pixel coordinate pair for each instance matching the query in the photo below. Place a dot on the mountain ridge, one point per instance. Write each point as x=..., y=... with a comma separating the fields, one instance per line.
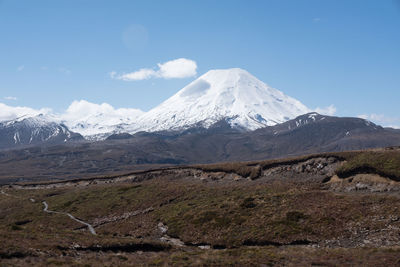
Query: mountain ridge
x=218, y=143
x=37, y=130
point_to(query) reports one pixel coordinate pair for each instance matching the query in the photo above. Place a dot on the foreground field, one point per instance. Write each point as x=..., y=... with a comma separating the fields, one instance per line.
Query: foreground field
x=323, y=210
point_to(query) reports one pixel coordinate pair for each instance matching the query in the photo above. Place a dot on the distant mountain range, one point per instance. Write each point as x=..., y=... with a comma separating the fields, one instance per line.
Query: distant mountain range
x=233, y=95
x=309, y=133
x=224, y=115
x=38, y=130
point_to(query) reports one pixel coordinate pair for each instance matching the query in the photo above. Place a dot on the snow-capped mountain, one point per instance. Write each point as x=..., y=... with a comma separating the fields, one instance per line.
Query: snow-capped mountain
x=40, y=129
x=231, y=94
x=97, y=122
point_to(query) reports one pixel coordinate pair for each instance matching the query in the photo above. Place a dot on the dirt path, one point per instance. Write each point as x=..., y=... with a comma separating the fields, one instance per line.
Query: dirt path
x=89, y=226
x=6, y=194
x=46, y=209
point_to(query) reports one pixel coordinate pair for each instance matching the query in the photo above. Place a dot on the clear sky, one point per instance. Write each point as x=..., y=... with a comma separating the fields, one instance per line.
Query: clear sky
x=344, y=53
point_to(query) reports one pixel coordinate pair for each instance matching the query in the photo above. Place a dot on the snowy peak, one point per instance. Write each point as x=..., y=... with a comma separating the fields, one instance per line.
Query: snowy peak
x=97, y=121
x=40, y=129
x=37, y=121
x=232, y=94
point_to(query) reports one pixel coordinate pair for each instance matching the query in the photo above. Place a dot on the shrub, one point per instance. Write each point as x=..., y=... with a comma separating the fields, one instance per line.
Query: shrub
x=295, y=216
x=248, y=203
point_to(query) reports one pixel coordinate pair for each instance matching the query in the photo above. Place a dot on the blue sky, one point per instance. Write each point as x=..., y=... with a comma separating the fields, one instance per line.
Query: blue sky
x=344, y=53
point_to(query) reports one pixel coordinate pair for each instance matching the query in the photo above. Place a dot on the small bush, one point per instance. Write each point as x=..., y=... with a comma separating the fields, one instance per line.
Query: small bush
x=16, y=227
x=248, y=203
x=295, y=216
x=255, y=172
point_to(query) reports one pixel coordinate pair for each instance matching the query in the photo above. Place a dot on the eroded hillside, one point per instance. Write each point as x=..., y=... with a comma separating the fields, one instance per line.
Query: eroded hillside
x=325, y=209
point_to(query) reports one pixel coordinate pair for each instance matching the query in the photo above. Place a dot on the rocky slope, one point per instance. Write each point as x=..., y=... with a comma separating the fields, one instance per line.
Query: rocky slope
x=38, y=130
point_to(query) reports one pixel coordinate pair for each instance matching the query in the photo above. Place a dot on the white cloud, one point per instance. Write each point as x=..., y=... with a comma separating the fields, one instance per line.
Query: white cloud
x=10, y=98
x=382, y=120
x=329, y=110
x=82, y=110
x=21, y=68
x=142, y=74
x=10, y=113
x=102, y=118
x=177, y=68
